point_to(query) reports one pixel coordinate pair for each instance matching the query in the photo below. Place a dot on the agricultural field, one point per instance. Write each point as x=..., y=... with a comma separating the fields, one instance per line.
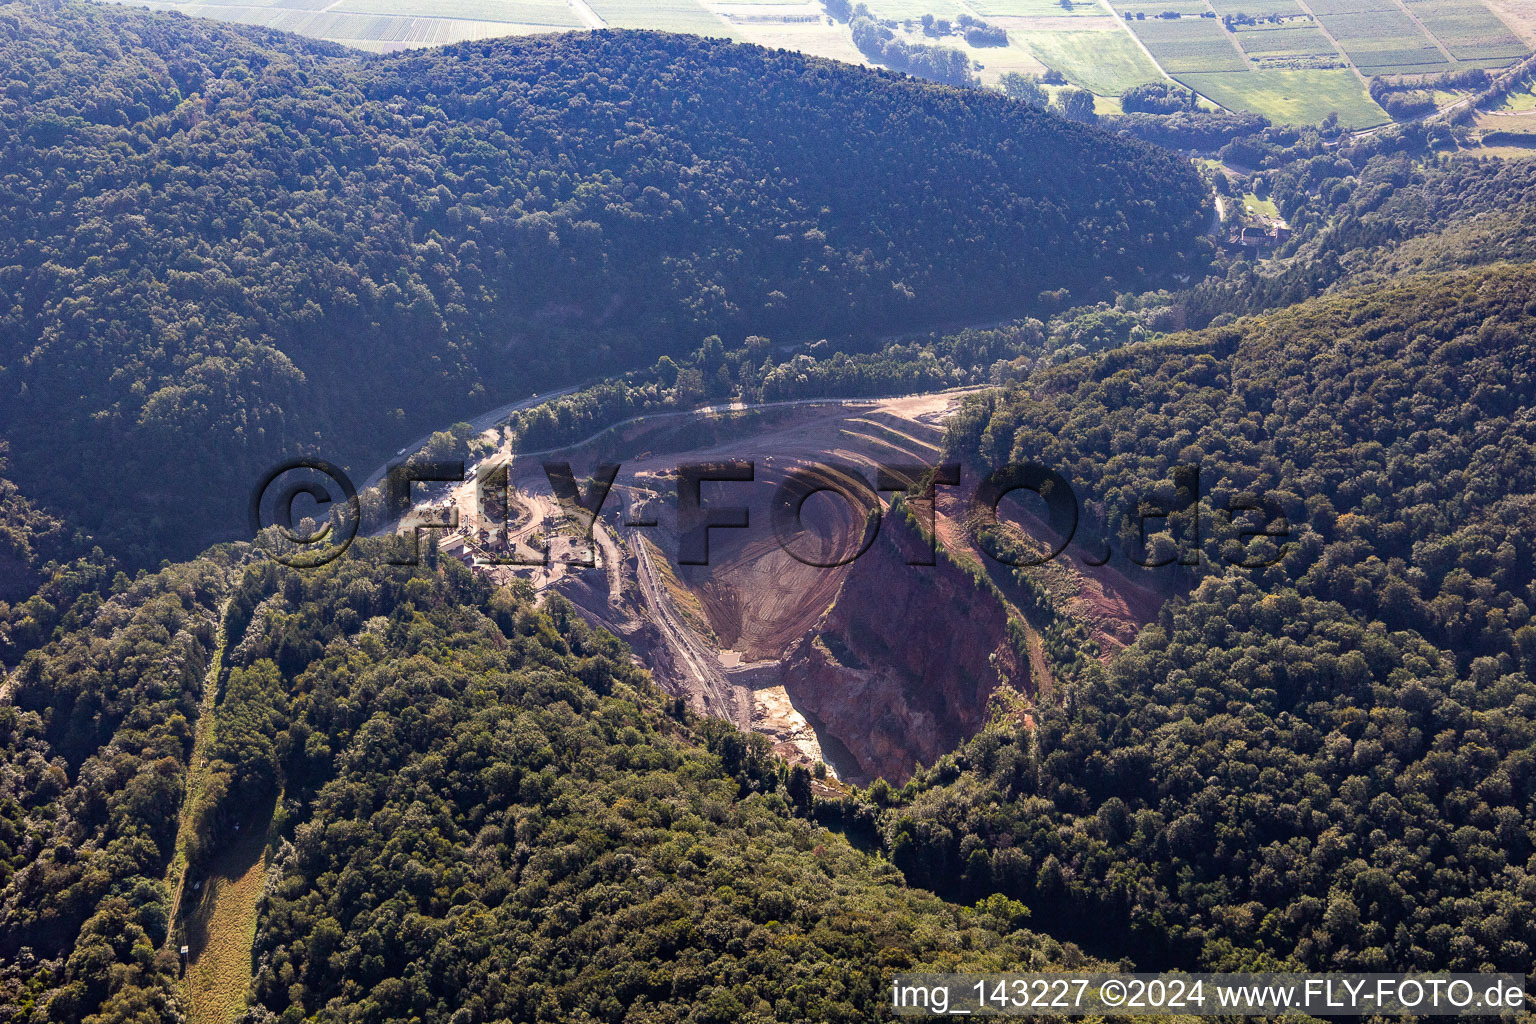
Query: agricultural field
x=1421, y=36
x=295, y=5
x=1183, y=45
x=1383, y=41
x=817, y=38
x=1468, y=29
x=1258, y=8
x=1146, y=11
x=1106, y=61
x=666, y=15
x=1034, y=8
x=1289, y=39
x=1323, y=8
x=1293, y=96
x=1519, y=16
x=899, y=10
x=555, y=13
x=1283, y=65
x=386, y=25
x=992, y=62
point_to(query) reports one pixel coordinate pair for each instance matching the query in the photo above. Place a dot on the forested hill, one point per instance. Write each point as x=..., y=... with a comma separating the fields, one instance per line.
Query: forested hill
x=483, y=811
x=1328, y=763
x=224, y=244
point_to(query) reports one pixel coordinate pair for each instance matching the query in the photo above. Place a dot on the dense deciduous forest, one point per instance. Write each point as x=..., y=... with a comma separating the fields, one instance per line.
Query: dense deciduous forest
x=482, y=807
x=226, y=245
x=45, y=567
x=1367, y=211
x=97, y=731
x=759, y=371
x=1326, y=763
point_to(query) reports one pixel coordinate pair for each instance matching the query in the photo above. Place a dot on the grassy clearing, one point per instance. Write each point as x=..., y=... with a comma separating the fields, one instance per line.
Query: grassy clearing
x=222, y=928
x=1293, y=97
x=1506, y=152
x=1522, y=100
x=992, y=62
x=1106, y=62
x=1255, y=206
x=197, y=768
x=1189, y=44
x=1513, y=126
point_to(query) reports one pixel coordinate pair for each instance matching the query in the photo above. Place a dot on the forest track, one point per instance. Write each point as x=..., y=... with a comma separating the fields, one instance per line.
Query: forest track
x=197, y=764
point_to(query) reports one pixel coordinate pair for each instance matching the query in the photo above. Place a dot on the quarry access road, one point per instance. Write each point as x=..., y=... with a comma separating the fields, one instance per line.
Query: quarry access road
x=711, y=410
x=719, y=697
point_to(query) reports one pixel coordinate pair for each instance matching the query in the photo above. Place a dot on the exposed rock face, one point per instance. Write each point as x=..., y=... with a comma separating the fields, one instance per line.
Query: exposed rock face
x=900, y=667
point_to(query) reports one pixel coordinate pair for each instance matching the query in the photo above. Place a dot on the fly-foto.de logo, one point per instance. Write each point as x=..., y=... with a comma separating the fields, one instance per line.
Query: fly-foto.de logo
x=1167, y=527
